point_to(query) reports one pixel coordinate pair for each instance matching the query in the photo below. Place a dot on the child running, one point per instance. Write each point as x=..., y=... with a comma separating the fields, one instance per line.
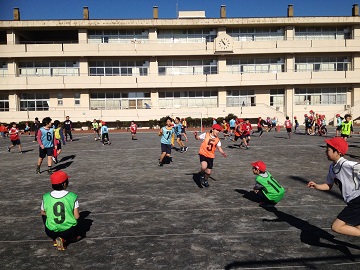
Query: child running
x=346, y=127
x=177, y=130
x=59, y=137
x=345, y=174
x=297, y=130
x=60, y=212
x=288, y=126
x=184, y=126
x=166, y=133
x=27, y=128
x=210, y=142
x=267, y=189
x=105, y=134
x=133, y=129
x=46, y=140
x=14, y=138
x=95, y=128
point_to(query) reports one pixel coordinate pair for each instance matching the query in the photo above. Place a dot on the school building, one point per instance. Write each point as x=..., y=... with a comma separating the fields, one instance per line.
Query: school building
x=142, y=69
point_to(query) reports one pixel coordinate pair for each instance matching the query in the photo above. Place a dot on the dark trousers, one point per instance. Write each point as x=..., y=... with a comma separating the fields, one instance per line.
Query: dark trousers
x=68, y=234
x=68, y=132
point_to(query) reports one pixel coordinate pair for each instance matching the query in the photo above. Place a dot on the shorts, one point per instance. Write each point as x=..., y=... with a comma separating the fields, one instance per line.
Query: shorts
x=209, y=161
x=178, y=136
x=16, y=142
x=166, y=148
x=46, y=152
x=260, y=129
x=58, y=144
x=96, y=130
x=67, y=234
x=338, y=128
x=183, y=130
x=133, y=132
x=232, y=128
x=344, y=135
x=236, y=138
x=225, y=131
x=288, y=130
x=351, y=213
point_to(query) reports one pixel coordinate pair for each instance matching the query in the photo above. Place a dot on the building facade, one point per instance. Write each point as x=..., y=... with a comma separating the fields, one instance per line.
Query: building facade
x=189, y=66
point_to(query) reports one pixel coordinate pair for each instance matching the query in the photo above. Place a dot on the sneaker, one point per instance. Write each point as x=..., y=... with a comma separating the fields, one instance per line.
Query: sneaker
x=205, y=183
x=54, y=243
x=182, y=150
x=160, y=164
x=38, y=170
x=60, y=243
x=186, y=148
x=21, y=152
x=54, y=159
x=8, y=148
x=109, y=143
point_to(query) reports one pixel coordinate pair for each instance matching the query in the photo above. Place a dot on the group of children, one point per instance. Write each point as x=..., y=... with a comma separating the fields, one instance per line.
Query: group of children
x=101, y=131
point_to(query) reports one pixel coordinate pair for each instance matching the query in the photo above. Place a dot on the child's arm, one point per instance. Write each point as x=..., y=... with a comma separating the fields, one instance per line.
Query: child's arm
x=222, y=151
x=76, y=213
x=160, y=132
x=39, y=139
x=326, y=186
x=62, y=137
x=196, y=135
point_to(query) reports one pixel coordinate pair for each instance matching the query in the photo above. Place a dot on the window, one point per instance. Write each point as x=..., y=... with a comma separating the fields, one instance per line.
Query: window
x=3, y=69
x=118, y=68
x=188, y=99
x=277, y=97
x=256, y=34
x=34, y=102
x=60, y=97
x=314, y=33
x=4, y=102
x=49, y=69
x=118, y=36
x=119, y=101
x=329, y=63
x=255, y=65
x=187, y=67
x=186, y=35
x=320, y=96
x=77, y=98
x=240, y=98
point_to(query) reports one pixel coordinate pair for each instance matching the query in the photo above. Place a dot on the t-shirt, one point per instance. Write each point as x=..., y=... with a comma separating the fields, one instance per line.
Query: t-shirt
x=209, y=144
x=46, y=137
x=166, y=135
x=95, y=125
x=287, y=124
x=177, y=129
x=68, y=125
x=104, y=129
x=345, y=174
x=133, y=127
x=339, y=121
x=232, y=123
x=14, y=134
x=346, y=128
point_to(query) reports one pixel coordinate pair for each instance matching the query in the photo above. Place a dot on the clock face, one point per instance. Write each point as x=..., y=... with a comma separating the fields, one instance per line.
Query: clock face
x=224, y=43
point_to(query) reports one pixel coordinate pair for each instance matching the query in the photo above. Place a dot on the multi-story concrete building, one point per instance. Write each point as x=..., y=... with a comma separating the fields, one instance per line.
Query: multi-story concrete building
x=188, y=66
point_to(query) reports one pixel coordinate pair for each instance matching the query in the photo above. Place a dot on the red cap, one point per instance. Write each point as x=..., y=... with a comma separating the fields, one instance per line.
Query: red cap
x=58, y=177
x=311, y=111
x=241, y=120
x=261, y=166
x=104, y=123
x=305, y=114
x=294, y=117
x=339, y=144
x=217, y=127
x=337, y=115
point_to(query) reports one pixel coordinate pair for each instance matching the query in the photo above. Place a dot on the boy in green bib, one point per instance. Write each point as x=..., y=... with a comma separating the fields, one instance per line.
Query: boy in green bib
x=267, y=189
x=60, y=211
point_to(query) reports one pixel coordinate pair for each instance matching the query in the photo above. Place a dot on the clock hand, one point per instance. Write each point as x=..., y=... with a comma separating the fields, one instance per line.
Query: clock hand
x=223, y=42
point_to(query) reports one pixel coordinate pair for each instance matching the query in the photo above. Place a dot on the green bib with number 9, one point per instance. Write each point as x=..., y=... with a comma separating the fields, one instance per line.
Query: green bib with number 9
x=60, y=212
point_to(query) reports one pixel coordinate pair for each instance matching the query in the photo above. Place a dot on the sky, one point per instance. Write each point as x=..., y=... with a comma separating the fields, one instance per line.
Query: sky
x=142, y=9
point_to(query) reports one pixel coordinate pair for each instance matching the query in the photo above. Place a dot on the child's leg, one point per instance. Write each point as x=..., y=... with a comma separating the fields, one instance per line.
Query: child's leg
x=40, y=160
x=163, y=154
x=340, y=226
x=49, y=161
x=20, y=148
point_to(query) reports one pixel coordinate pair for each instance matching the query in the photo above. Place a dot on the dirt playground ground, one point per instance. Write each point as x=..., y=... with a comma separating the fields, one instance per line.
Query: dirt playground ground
x=140, y=216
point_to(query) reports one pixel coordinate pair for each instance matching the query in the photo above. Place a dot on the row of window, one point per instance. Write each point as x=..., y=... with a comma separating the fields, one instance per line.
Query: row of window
x=208, y=35
x=181, y=99
x=180, y=67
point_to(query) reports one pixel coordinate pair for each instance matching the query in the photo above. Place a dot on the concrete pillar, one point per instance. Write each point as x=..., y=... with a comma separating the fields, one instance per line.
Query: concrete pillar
x=16, y=14
x=290, y=11
x=355, y=95
x=12, y=68
x=154, y=95
x=153, y=67
x=82, y=36
x=356, y=31
x=355, y=10
x=84, y=66
x=152, y=34
x=86, y=14
x=222, y=97
x=11, y=37
x=84, y=98
x=290, y=63
x=13, y=102
x=289, y=101
x=222, y=69
x=155, y=12
x=289, y=32
x=223, y=11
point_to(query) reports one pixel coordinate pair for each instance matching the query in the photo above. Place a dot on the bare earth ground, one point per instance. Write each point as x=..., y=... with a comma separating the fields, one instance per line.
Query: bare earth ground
x=141, y=216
